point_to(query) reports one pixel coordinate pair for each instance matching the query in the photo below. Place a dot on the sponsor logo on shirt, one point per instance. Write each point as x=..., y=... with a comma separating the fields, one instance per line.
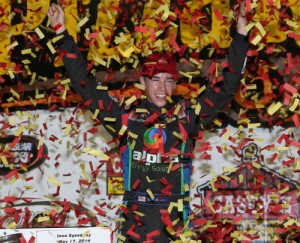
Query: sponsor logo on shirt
x=147, y=158
x=154, y=138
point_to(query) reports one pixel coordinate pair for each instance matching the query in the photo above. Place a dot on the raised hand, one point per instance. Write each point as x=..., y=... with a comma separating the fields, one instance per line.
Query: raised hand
x=57, y=18
x=242, y=19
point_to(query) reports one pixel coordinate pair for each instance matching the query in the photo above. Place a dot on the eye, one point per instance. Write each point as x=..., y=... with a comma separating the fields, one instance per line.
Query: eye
x=169, y=80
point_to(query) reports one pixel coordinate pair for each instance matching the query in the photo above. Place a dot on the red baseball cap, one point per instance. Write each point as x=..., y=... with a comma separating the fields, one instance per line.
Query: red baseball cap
x=160, y=62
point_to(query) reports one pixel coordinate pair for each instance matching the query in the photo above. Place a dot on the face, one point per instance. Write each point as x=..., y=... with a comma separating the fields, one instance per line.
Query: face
x=158, y=88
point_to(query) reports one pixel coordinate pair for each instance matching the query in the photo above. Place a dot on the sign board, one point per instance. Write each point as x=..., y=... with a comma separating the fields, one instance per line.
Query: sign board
x=57, y=235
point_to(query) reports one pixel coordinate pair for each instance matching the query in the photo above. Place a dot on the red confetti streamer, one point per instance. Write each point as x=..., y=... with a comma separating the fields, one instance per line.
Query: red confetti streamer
x=237, y=219
x=100, y=104
x=140, y=29
x=175, y=167
x=152, y=34
x=56, y=194
x=152, y=234
x=219, y=149
x=14, y=173
x=166, y=218
x=288, y=162
x=248, y=6
x=294, y=35
x=15, y=141
x=210, y=103
x=10, y=199
x=218, y=14
x=132, y=233
x=57, y=27
x=250, y=236
x=290, y=88
x=183, y=132
x=296, y=121
x=204, y=147
x=274, y=156
x=136, y=184
x=22, y=239
x=52, y=108
x=84, y=182
x=199, y=222
x=100, y=211
x=84, y=221
x=29, y=178
x=174, y=43
x=205, y=155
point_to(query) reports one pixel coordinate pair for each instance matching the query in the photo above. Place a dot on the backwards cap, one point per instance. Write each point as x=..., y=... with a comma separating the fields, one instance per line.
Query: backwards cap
x=160, y=62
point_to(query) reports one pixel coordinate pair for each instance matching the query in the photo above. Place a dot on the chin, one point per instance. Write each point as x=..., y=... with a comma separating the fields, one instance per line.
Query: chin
x=161, y=104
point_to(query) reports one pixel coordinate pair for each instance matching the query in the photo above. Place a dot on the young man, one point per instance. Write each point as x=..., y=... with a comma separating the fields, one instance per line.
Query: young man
x=157, y=146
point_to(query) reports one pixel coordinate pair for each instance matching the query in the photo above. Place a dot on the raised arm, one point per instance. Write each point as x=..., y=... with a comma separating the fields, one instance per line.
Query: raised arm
x=82, y=80
x=215, y=99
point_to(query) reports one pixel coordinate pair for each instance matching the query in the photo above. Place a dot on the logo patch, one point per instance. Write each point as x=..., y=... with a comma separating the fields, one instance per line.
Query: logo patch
x=20, y=152
x=154, y=137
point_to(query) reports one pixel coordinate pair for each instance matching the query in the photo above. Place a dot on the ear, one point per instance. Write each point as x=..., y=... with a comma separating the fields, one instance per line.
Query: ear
x=174, y=85
x=142, y=80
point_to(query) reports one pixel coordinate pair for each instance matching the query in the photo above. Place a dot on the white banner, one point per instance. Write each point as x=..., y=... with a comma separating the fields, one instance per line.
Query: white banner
x=57, y=235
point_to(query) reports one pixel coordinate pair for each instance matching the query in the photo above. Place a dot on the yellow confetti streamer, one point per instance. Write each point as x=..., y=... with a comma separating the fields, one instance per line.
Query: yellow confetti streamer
x=82, y=22
x=133, y=135
x=139, y=213
x=122, y=130
x=33, y=78
x=130, y=100
x=180, y=205
x=95, y=115
x=51, y=47
x=186, y=188
x=19, y=131
x=255, y=165
x=227, y=134
x=149, y=192
x=67, y=130
x=100, y=61
x=284, y=190
x=274, y=107
x=109, y=119
x=101, y=87
x=230, y=170
x=96, y=153
x=177, y=109
x=4, y=160
x=297, y=168
x=178, y=135
x=11, y=73
x=294, y=105
x=226, y=178
x=254, y=125
x=12, y=225
x=53, y=180
x=12, y=45
x=39, y=33
x=139, y=86
x=256, y=40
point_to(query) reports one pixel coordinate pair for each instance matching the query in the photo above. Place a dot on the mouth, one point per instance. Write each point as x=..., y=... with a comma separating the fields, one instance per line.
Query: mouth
x=161, y=96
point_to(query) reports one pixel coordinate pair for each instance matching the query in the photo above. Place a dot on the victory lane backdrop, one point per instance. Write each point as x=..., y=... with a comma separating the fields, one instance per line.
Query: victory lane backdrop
x=116, y=36
x=70, y=183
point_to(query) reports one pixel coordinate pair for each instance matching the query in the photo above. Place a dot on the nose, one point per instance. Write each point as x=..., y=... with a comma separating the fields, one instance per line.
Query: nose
x=161, y=85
